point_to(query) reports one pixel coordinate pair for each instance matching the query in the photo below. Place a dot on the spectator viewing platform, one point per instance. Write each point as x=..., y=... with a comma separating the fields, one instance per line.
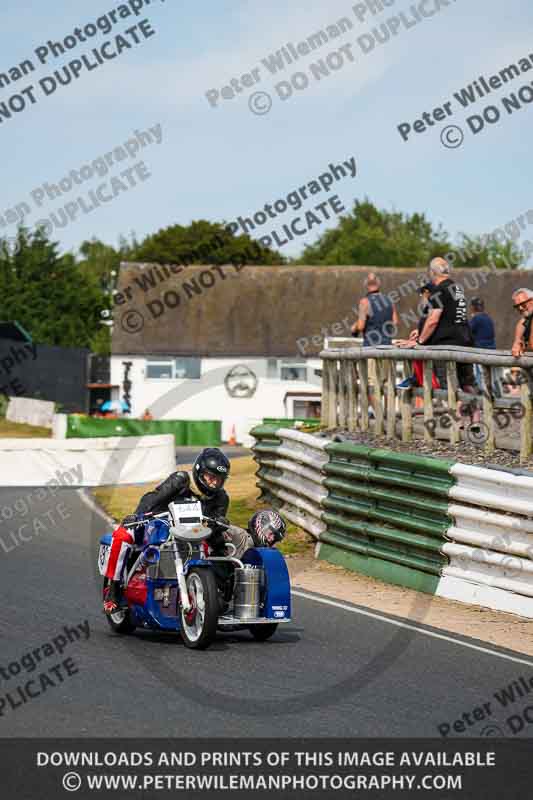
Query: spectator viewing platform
x=360, y=393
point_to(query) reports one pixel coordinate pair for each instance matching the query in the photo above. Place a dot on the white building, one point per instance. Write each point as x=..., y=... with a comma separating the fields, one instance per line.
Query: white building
x=204, y=388
x=221, y=343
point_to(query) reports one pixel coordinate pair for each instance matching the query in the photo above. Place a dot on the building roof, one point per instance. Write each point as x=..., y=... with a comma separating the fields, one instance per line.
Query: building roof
x=272, y=310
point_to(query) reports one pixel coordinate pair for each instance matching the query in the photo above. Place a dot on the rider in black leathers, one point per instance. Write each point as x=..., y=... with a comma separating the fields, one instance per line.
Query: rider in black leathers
x=210, y=472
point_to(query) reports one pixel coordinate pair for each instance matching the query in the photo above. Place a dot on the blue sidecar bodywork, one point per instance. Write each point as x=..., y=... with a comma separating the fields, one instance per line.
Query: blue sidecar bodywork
x=152, y=595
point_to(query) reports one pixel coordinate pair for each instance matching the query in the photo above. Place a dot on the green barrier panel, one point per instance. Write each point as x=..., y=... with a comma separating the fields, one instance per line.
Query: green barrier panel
x=386, y=512
x=435, y=527
x=205, y=433
x=390, y=534
x=424, y=561
x=405, y=462
x=265, y=432
x=387, y=498
x=266, y=437
x=360, y=472
x=387, y=571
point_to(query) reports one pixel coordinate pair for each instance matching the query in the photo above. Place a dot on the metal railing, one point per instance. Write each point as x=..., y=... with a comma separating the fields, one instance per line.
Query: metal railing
x=358, y=396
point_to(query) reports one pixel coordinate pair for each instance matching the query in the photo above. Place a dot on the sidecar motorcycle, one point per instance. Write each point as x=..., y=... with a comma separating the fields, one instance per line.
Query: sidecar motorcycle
x=172, y=583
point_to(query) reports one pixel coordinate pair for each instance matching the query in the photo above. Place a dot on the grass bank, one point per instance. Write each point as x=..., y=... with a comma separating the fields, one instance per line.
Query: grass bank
x=18, y=430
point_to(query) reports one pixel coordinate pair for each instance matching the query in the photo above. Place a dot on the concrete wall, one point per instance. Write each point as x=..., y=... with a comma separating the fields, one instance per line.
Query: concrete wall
x=86, y=462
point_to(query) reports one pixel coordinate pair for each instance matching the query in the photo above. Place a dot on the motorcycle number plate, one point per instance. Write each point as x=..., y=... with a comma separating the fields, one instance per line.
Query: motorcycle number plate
x=189, y=514
x=103, y=558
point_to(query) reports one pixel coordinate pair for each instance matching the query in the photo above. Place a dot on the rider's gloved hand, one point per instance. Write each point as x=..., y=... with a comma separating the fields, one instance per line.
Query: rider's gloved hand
x=129, y=519
x=217, y=543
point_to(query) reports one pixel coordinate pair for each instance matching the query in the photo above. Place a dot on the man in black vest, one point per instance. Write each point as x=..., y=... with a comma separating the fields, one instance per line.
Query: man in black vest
x=377, y=318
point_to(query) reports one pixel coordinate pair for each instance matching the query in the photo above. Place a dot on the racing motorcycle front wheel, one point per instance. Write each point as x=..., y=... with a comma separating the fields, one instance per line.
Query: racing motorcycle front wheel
x=120, y=621
x=199, y=624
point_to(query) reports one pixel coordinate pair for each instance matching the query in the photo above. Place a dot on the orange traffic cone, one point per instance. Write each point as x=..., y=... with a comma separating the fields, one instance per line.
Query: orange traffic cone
x=233, y=438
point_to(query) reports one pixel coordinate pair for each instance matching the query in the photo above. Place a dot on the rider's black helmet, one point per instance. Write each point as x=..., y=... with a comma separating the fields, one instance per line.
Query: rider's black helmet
x=267, y=528
x=210, y=470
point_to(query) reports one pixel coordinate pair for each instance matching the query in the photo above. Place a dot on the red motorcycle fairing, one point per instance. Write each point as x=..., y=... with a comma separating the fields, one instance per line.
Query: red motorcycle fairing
x=136, y=592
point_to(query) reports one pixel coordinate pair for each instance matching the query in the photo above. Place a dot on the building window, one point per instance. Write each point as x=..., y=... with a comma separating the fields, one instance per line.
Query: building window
x=188, y=368
x=161, y=368
x=272, y=368
x=173, y=368
x=293, y=370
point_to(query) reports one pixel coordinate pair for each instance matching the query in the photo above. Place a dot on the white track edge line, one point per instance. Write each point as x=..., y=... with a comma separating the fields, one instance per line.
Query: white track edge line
x=93, y=505
x=411, y=627
x=325, y=601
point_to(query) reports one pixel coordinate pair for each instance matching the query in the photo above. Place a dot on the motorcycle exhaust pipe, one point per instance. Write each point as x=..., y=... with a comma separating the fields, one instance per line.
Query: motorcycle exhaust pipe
x=150, y=556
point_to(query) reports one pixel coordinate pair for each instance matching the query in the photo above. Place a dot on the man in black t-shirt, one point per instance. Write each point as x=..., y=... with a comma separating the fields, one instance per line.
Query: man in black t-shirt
x=447, y=323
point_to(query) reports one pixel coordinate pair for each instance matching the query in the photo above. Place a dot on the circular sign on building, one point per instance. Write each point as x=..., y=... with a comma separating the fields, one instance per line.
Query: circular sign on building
x=240, y=381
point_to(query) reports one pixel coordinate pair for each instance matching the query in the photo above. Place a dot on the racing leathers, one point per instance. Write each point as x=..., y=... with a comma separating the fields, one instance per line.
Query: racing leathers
x=176, y=487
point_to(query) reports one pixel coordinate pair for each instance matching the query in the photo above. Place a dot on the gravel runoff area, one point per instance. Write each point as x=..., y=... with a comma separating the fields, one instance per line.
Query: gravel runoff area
x=466, y=452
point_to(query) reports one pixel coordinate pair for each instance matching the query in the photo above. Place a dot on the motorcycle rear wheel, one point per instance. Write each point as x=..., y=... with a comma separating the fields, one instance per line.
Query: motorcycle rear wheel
x=263, y=632
x=200, y=631
x=120, y=621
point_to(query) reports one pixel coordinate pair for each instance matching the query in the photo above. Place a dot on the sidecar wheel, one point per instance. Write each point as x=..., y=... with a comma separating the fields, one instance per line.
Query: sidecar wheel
x=198, y=629
x=263, y=632
x=120, y=621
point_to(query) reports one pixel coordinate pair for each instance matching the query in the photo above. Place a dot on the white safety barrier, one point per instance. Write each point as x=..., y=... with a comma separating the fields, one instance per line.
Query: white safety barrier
x=59, y=426
x=31, y=412
x=491, y=540
x=89, y=462
x=293, y=474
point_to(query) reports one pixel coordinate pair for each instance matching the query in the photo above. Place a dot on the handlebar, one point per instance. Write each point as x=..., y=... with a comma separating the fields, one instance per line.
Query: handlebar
x=149, y=516
x=146, y=518
x=218, y=522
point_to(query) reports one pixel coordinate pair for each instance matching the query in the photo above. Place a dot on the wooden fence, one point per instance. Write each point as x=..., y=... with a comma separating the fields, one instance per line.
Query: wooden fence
x=354, y=400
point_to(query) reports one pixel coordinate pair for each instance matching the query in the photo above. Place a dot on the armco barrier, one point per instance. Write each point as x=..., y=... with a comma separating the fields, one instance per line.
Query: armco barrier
x=89, y=462
x=206, y=433
x=386, y=514
x=290, y=474
x=461, y=532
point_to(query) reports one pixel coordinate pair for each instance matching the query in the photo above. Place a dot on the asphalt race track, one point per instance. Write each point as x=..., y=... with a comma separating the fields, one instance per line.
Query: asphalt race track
x=332, y=672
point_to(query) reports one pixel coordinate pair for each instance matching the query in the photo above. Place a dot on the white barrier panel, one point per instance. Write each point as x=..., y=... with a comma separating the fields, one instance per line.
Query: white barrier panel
x=59, y=426
x=492, y=488
x=292, y=472
x=31, y=412
x=489, y=545
x=86, y=462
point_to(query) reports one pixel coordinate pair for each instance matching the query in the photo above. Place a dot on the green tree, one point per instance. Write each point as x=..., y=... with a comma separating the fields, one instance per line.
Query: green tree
x=480, y=251
x=369, y=236
x=202, y=242
x=48, y=293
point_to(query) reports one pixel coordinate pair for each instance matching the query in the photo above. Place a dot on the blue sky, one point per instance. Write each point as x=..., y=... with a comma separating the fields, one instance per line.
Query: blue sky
x=219, y=163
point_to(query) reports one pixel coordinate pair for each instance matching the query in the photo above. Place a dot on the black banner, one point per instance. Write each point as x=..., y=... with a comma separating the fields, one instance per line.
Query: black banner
x=288, y=768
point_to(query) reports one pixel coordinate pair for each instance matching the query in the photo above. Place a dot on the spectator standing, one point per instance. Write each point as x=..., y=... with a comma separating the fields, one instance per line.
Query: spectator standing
x=377, y=321
x=523, y=335
x=378, y=318
x=416, y=378
x=483, y=334
x=447, y=323
x=481, y=325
